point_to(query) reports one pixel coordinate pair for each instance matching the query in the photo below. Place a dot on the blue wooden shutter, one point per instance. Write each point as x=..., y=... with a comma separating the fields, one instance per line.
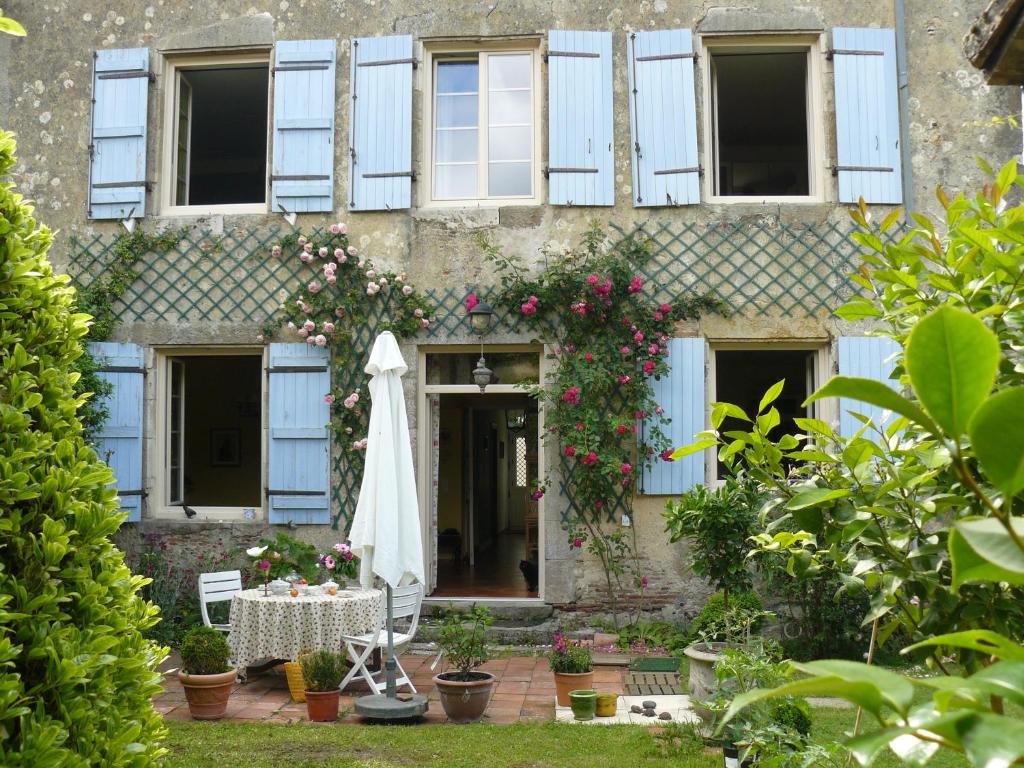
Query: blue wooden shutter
x=663, y=118
x=681, y=394
x=117, y=171
x=300, y=449
x=581, y=168
x=865, y=357
x=304, y=105
x=867, y=115
x=380, y=124
x=119, y=440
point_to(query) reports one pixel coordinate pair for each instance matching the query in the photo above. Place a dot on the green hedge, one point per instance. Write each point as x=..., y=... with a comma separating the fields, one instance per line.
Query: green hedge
x=76, y=675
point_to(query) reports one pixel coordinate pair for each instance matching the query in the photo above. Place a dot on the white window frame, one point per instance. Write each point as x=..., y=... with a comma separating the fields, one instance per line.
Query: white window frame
x=159, y=468
x=424, y=461
x=168, y=165
x=823, y=370
x=478, y=51
x=817, y=159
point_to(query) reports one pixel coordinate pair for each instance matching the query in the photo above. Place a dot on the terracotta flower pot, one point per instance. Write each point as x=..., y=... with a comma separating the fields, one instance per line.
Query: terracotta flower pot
x=322, y=706
x=207, y=695
x=465, y=702
x=571, y=681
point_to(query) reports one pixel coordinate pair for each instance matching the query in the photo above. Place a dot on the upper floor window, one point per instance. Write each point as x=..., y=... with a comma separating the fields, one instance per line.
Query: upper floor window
x=483, y=125
x=763, y=121
x=216, y=149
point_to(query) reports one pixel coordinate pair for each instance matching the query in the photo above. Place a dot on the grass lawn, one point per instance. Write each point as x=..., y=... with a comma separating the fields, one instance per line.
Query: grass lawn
x=525, y=745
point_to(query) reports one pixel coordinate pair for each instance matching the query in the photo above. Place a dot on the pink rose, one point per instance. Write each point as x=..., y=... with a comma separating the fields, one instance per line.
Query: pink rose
x=320, y=340
x=658, y=316
x=621, y=429
x=659, y=410
x=592, y=280
x=424, y=323
x=275, y=251
x=625, y=379
x=338, y=253
x=577, y=543
x=323, y=252
x=329, y=399
x=328, y=327
x=598, y=504
x=301, y=240
x=471, y=301
x=309, y=325
x=636, y=285
x=352, y=251
x=342, y=228
x=305, y=258
x=334, y=229
x=418, y=312
x=331, y=279
x=537, y=495
x=572, y=396
x=644, y=582
x=665, y=308
x=314, y=287
x=625, y=350
x=649, y=367
x=264, y=565
x=626, y=468
x=407, y=290
x=638, y=336
x=580, y=426
x=588, y=357
x=590, y=458
x=570, y=451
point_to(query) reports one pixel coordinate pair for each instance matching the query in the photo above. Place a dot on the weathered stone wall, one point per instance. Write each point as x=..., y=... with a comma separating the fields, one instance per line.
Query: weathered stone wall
x=45, y=91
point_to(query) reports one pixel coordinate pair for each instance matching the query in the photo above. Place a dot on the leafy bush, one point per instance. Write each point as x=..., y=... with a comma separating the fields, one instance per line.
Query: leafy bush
x=717, y=623
x=286, y=554
x=204, y=651
x=793, y=715
x=323, y=670
x=717, y=523
x=645, y=635
x=463, y=640
x=570, y=657
x=76, y=673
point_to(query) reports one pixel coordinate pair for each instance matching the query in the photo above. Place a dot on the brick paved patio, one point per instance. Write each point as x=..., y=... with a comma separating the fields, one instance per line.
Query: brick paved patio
x=525, y=692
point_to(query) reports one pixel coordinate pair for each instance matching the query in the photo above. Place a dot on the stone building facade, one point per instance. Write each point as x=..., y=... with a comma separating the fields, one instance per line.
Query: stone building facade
x=736, y=136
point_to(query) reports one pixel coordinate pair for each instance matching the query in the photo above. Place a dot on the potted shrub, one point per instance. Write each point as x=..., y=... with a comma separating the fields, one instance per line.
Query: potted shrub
x=573, y=665
x=323, y=672
x=205, y=673
x=465, y=692
x=717, y=524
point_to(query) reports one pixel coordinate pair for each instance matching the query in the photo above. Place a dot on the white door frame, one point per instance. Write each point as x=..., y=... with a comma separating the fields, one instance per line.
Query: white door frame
x=423, y=450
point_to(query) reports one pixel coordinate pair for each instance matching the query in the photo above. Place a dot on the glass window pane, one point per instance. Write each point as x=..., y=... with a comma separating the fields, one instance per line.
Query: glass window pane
x=509, y=143
x=455, y=181
x=509, y=71
x=510, y=107
x=509, y=179
x=455, y=146
x=456, y=111
x=458, y=77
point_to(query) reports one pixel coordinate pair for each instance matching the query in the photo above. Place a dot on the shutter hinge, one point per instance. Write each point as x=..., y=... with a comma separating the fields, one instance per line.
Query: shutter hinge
x=127, y=75
x=549, y=171
x=572, y=54
x=881, y=169
x=831, y=53
x=147, y=185
x=391, y=175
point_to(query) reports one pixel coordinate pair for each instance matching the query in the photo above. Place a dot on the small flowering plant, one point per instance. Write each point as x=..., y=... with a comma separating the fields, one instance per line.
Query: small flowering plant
x=599, y=399
x=340, y=562
x=570, y=657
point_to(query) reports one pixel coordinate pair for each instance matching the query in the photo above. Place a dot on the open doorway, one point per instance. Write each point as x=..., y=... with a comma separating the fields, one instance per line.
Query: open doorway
x=487, y=521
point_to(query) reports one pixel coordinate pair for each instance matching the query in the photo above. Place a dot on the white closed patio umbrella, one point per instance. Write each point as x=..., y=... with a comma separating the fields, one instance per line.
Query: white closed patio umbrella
x=385, y=532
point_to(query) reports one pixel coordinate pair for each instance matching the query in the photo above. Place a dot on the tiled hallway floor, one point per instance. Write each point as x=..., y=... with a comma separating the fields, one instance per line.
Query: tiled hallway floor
x=525, y=691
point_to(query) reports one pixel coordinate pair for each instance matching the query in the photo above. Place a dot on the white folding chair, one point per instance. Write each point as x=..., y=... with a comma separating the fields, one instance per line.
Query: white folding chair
x=406, y=603
x=216, y=588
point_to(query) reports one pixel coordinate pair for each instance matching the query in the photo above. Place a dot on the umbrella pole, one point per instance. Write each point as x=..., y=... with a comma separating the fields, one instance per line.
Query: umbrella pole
x=390, y=665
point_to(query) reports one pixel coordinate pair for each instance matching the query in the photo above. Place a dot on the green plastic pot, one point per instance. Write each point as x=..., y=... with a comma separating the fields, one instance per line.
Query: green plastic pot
x=583, y=703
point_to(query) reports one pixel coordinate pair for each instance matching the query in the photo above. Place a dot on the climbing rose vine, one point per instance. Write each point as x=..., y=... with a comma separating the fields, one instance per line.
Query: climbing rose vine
x=599, y=400
x=342, y=293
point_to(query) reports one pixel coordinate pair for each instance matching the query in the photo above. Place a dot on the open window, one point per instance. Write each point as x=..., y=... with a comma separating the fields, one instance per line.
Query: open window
x=216, y=152
x=212, y=437
x=483, y=123
x=763, y=123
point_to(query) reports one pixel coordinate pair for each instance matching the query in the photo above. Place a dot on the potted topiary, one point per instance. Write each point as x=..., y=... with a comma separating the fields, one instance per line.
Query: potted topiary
x=465, y=693
x=205, y=673
x=323, y=672
x=717, y=524
x=573, y=665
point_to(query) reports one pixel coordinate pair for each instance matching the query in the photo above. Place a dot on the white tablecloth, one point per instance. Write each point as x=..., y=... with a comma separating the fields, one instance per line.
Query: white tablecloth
x=282, y=626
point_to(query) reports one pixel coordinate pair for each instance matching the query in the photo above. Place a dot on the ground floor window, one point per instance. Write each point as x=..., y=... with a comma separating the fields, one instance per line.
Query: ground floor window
x=742, y=376
x=213, y=455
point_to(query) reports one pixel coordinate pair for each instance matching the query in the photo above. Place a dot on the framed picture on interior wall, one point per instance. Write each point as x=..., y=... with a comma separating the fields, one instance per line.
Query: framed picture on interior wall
x=225, y=448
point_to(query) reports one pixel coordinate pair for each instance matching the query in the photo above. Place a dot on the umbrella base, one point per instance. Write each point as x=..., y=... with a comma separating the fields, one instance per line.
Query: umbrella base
x=385, y=709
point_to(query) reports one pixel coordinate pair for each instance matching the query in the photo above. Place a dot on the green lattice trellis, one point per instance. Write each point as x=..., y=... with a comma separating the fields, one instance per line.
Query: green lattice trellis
x=231, y=277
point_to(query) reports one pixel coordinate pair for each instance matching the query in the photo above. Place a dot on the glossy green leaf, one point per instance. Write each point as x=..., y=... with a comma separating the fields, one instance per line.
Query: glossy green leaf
x=771, y=395
x=874, y=393
x=952, y=358
x=815, y=496
x=686, y=450
x=982, y=640
x=983, y=550
x=997, y=435
x=11, y=27
x=988, y=740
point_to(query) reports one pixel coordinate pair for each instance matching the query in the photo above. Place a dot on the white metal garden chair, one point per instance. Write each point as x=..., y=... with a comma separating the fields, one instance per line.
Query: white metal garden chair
x=406, y=603
x=217, y=588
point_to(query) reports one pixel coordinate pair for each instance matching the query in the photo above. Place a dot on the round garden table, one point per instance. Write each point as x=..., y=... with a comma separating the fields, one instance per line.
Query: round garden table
x=281, y=626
